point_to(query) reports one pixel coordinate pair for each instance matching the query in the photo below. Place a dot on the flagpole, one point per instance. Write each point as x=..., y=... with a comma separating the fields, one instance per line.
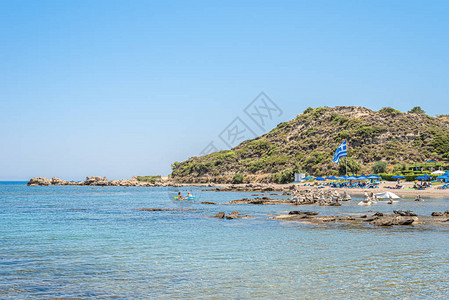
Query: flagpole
x=346, y=166
x=346, y=158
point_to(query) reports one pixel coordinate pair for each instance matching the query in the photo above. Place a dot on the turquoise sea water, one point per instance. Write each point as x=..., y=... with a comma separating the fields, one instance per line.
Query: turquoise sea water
x=93, y=242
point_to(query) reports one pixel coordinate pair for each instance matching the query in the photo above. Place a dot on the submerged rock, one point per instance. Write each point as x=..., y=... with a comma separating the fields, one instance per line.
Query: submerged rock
x=156, y=209
x=308, y=213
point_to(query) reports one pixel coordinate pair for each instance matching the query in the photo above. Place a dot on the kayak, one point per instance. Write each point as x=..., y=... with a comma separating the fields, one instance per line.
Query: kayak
x=188, y=198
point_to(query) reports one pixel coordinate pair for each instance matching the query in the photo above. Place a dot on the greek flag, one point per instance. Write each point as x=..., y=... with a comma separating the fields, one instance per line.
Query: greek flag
x=341, y=152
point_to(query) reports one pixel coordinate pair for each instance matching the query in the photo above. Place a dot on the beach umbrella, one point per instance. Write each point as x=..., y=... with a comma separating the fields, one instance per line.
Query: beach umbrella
x=443, y=177
x=361, y=177
x=398, y=177
x=307, y=178
x=438, y=173
x=372, y=177
x=387, y=195
x=423, y=177
x=377, y=176
x=427, y=176
x=342, y=178
x=351, y=178
x=331, y=178
x=320, y=178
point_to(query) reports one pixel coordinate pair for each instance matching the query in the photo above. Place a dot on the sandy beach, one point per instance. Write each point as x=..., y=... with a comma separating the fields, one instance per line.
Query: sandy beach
x=406, y=190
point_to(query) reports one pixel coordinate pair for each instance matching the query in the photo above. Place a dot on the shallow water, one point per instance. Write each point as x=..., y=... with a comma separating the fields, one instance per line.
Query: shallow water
x=94, y=242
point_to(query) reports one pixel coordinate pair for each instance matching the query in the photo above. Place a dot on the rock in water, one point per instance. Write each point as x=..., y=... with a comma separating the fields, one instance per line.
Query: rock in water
x=383, y=222
x=220, y=215
x=405, y=220
x=405, y=213
x=309, y=213
x=233, y=215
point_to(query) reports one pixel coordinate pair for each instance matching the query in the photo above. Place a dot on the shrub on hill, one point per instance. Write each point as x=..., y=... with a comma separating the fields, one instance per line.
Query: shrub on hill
x=389, y=111
x=379, y=167
x=285, y=176
x=238, y=178
x=417, y=110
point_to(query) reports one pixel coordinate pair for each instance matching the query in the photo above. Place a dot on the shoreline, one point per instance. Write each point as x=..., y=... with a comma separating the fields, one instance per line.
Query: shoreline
x=406, y=191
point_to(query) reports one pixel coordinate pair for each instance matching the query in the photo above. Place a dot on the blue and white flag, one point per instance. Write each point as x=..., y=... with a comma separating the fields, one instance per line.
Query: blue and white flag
x=341, y=152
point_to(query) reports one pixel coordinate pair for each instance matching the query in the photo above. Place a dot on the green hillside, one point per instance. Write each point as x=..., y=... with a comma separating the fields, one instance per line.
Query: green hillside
x=308, y=142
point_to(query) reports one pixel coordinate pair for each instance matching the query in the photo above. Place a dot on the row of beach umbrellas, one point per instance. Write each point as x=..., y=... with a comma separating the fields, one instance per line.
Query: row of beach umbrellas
x=362, y=177
x=344, y=177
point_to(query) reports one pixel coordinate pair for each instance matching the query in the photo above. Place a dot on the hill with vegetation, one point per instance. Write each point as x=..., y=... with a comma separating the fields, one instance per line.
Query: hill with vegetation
x=380, y=141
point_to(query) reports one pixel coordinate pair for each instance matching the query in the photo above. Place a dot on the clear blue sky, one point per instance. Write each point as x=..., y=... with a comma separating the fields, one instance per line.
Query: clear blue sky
x=122, y=88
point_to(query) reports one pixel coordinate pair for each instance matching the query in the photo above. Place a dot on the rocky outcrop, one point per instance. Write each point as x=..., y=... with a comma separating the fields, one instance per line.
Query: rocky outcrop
x=259, y=201
x=263, y=188
x=57, y=181
x=96, y=180
x=93, y=181
x=316, y=196
x=440, y=214
x=406, y=213
x=392, y=220
x=39, y=181
x=377, y=219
